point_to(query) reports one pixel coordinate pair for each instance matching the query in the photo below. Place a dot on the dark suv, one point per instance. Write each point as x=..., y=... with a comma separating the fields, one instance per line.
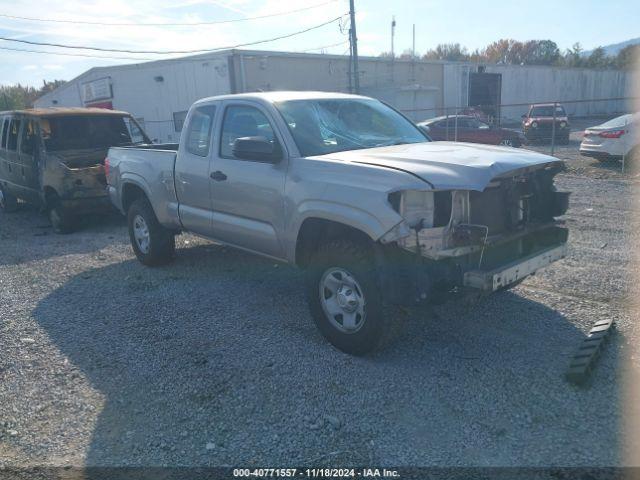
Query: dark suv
x=537, y=124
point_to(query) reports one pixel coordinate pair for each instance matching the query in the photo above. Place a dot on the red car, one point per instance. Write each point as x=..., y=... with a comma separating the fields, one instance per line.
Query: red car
x=470, y=129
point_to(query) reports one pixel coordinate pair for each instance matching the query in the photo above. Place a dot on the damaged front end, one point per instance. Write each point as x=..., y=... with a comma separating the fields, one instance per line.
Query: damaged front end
x=485, y=240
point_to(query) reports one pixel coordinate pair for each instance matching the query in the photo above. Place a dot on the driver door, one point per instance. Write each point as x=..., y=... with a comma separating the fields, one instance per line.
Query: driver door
x=247, y=195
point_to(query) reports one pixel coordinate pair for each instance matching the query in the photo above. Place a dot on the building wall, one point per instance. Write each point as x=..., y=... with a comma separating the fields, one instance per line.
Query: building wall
x=403, y=84
x=420, y=89
x=536, y=84
x=138, y=90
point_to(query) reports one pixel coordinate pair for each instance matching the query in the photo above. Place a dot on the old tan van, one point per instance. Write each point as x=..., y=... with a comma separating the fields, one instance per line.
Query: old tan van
x=54, y=158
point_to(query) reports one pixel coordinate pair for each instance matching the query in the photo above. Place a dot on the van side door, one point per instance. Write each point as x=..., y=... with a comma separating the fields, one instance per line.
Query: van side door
x=192, y=168
x=247, y=195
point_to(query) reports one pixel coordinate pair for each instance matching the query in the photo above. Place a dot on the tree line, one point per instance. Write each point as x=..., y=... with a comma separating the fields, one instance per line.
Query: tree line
x=532, y=52
x=15, y=97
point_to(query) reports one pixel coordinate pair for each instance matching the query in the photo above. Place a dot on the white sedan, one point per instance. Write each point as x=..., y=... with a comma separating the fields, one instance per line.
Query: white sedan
x=613, y=139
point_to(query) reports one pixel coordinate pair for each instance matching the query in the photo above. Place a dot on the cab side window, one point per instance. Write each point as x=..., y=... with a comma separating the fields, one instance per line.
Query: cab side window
x=243, y=121
x=14, y=130
x=198, y=135
x=29, y=138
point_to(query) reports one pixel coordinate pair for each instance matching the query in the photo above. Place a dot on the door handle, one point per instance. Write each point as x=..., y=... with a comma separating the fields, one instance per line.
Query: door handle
x=218, y=176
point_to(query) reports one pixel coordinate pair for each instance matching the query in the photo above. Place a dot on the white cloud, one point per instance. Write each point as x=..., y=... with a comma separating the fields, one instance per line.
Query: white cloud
x=159, y=38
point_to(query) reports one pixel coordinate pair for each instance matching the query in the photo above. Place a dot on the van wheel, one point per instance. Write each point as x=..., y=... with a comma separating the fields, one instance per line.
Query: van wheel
x=344, y=297
x=61, y=220
x=8, y=203
x=152, y=243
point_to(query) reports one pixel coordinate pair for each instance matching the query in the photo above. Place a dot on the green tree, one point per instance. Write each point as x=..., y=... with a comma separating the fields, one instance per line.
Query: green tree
x=628, y=58
x=448, y=51
x=15, y=97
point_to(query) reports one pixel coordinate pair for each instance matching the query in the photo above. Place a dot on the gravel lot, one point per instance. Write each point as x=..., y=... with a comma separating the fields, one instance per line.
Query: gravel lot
x=214, y=360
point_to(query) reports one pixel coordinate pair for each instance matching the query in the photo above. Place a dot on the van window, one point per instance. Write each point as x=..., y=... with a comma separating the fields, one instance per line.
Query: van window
x=3, y=133
x=29, y=138
x=199, y=130
x=14, y=129
x=77, y=132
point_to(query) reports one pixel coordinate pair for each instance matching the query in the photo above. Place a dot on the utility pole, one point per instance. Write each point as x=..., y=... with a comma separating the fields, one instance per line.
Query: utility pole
x=413, y=55
x=354, y=47
x=393, y=34
x=413, y=47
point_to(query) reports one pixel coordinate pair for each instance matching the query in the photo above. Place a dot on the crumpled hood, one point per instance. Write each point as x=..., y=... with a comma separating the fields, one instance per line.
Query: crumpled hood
x=449, y=165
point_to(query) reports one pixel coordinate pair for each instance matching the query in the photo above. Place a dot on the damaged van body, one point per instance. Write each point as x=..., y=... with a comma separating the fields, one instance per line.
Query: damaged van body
x=54, y=158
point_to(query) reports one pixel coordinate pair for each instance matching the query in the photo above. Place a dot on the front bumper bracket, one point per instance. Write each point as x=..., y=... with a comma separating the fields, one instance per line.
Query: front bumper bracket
x=490, y=281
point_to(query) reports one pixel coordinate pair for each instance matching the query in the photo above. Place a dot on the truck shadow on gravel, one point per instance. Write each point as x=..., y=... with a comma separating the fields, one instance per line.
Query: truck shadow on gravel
x=214, y=360
x=24, y=232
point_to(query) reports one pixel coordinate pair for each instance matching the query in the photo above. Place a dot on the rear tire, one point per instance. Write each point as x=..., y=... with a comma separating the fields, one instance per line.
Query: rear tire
x=8, y=202
x=61, y=220
x=344, y=297
x=152, y=243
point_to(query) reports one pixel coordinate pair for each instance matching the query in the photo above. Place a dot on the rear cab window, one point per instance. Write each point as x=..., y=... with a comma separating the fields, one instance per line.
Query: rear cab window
x=198, y=135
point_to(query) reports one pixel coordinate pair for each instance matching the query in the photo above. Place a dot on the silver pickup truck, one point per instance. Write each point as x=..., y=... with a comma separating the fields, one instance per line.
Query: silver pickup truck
x=349, y=190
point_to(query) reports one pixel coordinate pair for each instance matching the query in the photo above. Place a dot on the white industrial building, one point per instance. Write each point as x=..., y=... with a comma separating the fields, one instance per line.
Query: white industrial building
x=159, y=93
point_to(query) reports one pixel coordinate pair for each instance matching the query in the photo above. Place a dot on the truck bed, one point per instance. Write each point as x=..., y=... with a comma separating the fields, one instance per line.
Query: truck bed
x=151, y=169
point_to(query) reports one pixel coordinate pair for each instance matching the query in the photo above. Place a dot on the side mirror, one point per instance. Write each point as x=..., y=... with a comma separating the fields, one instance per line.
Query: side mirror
x=256, y=148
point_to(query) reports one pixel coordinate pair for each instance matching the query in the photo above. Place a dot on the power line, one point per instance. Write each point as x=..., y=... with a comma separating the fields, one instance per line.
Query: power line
x=131, y=24
x=76, y=54
x=164, y=52
x=325, y=46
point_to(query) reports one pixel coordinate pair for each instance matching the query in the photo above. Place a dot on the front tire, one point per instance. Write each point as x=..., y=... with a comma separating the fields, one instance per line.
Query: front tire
x=344, y=297
x=152, y=243
x=8, y=203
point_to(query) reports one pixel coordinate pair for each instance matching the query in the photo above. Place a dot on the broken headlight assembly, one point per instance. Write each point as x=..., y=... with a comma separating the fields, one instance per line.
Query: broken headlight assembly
x=420, y=210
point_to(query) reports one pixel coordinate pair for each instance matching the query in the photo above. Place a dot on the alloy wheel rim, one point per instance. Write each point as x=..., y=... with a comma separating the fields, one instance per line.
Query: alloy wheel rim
x=141, y=234
x=342, y=300
x=507, y=143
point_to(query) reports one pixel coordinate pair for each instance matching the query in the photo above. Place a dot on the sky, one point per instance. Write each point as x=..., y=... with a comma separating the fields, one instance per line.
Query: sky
x=472, y=23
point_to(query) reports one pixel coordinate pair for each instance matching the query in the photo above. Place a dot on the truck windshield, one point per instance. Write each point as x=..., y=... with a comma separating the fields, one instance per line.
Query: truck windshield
x=80, y=132
x=321, y=126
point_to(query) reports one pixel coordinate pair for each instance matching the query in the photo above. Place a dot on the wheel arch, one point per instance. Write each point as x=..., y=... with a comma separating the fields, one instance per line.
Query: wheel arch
x=314, y=231
x=130, y=192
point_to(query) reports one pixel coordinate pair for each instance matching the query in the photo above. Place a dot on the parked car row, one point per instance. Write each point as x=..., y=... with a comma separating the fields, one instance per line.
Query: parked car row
x=466, y=128
x=537, y=126
x=614, y=139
